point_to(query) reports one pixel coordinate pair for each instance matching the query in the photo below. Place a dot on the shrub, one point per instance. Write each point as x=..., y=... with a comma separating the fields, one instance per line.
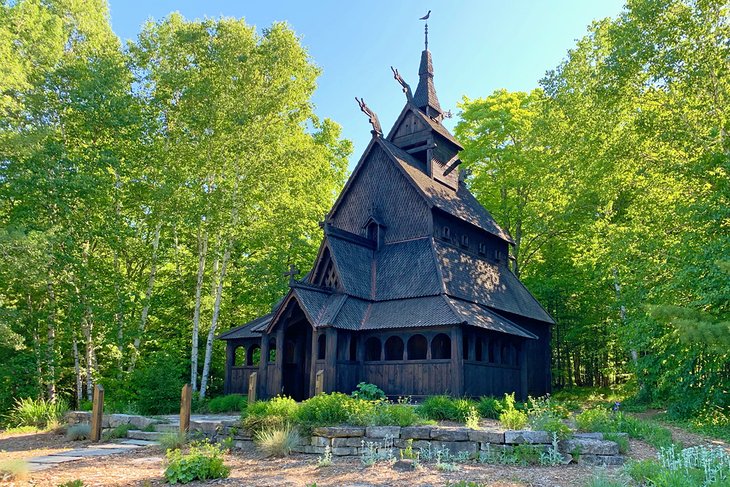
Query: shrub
x=464, y=408
x=386, y=414
x=157, y=382
x=81, y=431
x=277, y=442
x=489, y=407
x=438, y=408
x=603, y=421
x=369, y=392
x=544, y=416
x=11, y=470
x=204, y=461
x=332, y=409
x=276, y=413
x=173, y=440
x=510, y=417
x=37, y=413
x=595, y=420
x=227, y=404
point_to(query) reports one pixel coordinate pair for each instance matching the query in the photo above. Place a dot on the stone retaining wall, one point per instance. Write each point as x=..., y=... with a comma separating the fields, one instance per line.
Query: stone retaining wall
x=584, y=448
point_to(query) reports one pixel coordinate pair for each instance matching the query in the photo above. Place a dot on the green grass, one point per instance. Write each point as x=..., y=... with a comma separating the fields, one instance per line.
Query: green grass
x=37, y=413
x=277, y=442
x=232, y=403
x=601, y=420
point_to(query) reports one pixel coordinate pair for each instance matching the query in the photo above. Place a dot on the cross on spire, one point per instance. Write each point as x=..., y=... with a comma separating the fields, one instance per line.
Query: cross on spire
x=293, y=271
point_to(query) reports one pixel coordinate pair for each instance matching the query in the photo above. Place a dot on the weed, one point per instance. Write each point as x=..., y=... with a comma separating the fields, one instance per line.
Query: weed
x=277, y=442
x=78, y=432
x=368, y=392
x=119, y=431
x=552, y=456
x=373, y=452
x=204, y=461
x=326, y=459
x=510, y=417
x=173, y=440
x=472, y=419
x=527, y=454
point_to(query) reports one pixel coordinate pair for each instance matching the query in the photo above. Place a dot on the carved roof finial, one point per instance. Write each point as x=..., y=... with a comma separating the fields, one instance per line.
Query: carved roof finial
x=402, y=82
x=373, y=118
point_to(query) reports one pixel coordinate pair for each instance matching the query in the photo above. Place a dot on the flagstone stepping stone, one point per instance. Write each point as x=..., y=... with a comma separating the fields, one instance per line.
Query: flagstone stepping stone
x=52, y=459
x=139, y=442
x=91, y=452
x=115, y=446
x=37, y=467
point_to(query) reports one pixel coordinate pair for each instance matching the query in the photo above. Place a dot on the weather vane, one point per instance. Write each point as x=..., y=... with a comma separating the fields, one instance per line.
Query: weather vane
x=425, y=17
x=373, y=118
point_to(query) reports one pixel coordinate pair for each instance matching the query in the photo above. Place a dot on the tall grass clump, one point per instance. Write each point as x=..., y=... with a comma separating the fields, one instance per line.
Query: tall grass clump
x=438, y=408
x=490, y=407
x=276, y=413
x=173, y=440
x=277, y=442
x=36, y=413
x=13, y=470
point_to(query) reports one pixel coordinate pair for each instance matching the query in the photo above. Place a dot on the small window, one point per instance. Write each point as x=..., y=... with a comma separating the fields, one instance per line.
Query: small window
x=239, y=356
x=372, y=349
x=353, y=348
x=372, y=231
x=254, y=357
x=394, y=348
x=321, y=347
x=272, y=350
x=441, y=347
x=446, y=233
x=417, y=347
x=482, y=248
x=465, y=241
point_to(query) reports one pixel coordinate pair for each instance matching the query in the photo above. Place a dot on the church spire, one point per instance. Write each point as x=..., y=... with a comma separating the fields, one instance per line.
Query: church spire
x=425, y=97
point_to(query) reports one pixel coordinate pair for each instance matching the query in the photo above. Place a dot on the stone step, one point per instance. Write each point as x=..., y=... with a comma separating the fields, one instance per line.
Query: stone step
x=167, y=427
x=144, y=435
x=139, y=442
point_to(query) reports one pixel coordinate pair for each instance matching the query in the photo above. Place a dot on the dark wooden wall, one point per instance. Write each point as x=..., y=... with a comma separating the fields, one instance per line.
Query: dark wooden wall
x=475, y=236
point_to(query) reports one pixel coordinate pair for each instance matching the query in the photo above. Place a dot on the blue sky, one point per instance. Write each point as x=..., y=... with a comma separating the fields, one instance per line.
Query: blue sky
x=477, y=46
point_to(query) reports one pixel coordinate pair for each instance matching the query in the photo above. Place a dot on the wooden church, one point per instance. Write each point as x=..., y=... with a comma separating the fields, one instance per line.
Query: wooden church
x=412, y=288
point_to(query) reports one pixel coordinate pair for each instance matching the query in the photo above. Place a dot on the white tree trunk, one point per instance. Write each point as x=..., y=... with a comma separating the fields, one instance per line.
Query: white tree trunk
x=214, y=321
x=51, y=343
x=202, y=252
x=147, y=298
x=77, y=373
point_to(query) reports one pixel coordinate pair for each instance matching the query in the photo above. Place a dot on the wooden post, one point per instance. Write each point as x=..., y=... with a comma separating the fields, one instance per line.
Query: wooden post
x=252, y=385
x=330, y=383
x=186, y=401
x=97, y=413
x=457, y=361
x=319, y=382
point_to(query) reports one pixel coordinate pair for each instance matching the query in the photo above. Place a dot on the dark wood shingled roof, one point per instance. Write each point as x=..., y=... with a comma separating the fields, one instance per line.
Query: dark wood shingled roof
x=419, y=282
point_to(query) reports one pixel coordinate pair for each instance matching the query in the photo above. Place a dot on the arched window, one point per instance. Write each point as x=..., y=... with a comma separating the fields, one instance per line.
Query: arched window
x=394, y=348
x=441, y=347
x=446, y=233
x=372, y=349
x=482, y=248
x=417, y=347
x=321, y=347
x=465, y=241
x=353, y=348
x=239, y=356
x=272, y=350
x=254, y=357
x=372, y=231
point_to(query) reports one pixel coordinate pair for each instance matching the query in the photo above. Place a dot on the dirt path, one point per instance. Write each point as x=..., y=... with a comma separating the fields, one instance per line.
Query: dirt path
x=681, y=435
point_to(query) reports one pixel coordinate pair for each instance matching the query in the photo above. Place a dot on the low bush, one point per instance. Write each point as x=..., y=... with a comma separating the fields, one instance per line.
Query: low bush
x=276, y=413
x=511, y=418
x=333, y=409
x=37, y=413
x=369, y=392
x=544, y=415
x=603, y=421
x=173, y=440
x=78, y=432
x=204, y=461
x=490, y=407
x=386, y=414
x=278, y=442
x=464, y=409
x=227, y=404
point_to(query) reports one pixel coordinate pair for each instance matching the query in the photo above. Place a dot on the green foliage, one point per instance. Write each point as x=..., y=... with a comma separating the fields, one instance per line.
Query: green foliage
x=544, y=415
x=511, y=417
x=72, y=483
x=369, y=392
x=276, y=413
x=621, y=440
x=438, y=408
x=203, y=461
x=277, y=442
x=228, y=404
x=37, y=413
x=119, y=431
x=698, y=466
x=173, y=440
x=603, y=421
x=527, y=454
x=489, y=407
x=156, y=384
x=385, y=414
x=81, y=431
x=601, y=480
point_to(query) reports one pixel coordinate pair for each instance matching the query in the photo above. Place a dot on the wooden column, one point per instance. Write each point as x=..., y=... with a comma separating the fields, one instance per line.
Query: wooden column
x=186, y=401
x=279, y=361
x=330, y=360
x=263, y=367
x=313, y=363
x=319, y=382
x=230, y=362
x=252, y=387
x=97, y=413
x=457, y=361
x=472, y=353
